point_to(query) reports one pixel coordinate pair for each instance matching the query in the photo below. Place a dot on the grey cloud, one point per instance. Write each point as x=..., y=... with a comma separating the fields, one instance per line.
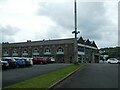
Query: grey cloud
x=91, y=16
x=61, y=13
x=119, y=23
x=91, y=19
x=7, y=33
x=53, y=32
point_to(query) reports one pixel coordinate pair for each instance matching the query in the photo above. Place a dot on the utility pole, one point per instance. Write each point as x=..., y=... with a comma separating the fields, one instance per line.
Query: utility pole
x=75, y=32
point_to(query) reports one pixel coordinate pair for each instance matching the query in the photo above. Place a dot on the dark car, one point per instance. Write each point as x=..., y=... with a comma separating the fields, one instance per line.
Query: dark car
x=39, y=60
x=28, y=62
x=50, y=60
x=20, y=62
x=11, y=61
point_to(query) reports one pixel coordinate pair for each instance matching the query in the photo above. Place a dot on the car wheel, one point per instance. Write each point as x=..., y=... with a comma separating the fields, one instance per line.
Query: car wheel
x=17, y=66
x=41, y=62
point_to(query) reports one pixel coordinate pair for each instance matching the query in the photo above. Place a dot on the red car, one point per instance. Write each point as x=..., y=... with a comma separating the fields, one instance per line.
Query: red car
x=39, y=60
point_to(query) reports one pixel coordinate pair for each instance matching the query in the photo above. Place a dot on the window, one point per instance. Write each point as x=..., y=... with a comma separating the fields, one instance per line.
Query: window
x=14, y=53
x=81, y=49
x=36, y=52
x=5, y=52
x=60, y=50
x=47, y=50
x=25, y=52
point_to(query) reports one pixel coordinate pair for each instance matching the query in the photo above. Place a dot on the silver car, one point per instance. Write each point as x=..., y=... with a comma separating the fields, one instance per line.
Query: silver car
x=4, y=64
x=112, y=60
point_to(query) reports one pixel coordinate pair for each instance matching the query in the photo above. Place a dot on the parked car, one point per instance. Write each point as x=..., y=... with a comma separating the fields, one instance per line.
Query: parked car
x=39, y=60
x=0, y=64
x=112, y=61
x=50, y=60
x=101, y=61
x=4, y=64
x=11, y=61
x=20, y=62
x=28, y=61
x=31, y=61
x=118, y=60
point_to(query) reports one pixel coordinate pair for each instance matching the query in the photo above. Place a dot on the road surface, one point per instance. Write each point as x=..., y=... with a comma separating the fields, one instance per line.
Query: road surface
x=93, y=76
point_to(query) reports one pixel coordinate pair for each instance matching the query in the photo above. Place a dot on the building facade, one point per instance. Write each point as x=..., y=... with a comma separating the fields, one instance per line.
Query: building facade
x=61, y=49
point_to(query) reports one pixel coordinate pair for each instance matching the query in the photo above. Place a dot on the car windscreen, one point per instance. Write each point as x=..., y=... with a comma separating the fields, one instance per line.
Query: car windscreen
x=6, y=59
x=118, y=58
x=18, y=59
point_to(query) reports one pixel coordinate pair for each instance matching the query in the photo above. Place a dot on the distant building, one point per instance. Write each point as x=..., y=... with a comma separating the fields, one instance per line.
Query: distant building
x=61, y=49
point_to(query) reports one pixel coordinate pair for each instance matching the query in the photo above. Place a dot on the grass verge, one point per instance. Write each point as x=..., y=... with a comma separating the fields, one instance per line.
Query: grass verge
x=46, y=80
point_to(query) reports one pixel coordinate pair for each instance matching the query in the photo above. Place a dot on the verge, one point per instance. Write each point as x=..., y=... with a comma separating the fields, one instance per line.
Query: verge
x=62, y=79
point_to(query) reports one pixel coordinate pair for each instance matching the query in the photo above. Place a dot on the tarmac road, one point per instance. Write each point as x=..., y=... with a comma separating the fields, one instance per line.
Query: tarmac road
x=93, y=76
x=12, y=76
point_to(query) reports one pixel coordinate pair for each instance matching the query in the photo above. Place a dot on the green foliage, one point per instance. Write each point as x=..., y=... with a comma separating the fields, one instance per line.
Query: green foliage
x=112, y=52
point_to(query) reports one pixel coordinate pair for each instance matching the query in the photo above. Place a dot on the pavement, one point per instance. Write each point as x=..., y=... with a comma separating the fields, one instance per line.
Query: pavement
x=0, y=79
x=92, y=76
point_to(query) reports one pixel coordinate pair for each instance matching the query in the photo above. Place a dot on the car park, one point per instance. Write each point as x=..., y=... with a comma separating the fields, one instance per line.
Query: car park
x=118, y=60
x=50, y=60
x=113, y=61
x=11, y=61
x=0, y=64
x=28, y=61
x=20, y=62
x=31, y=61
x=4, y=64
x=101, y=61
x=39, y=60
x=15, y=62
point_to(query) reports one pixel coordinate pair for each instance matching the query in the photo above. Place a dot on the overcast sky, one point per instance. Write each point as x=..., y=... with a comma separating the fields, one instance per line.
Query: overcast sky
x=22, y=20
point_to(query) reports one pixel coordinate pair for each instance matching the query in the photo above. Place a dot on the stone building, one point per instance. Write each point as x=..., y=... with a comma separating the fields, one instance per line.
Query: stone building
x=61, y=49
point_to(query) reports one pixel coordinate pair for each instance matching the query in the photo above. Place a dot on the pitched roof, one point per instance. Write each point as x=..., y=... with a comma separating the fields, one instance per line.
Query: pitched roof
x=88, y=42
x=94, y=44
x=80, y=40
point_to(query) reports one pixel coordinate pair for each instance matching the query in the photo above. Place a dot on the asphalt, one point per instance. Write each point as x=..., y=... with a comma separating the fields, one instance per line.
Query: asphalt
x=12, y=76
x=93, y=76
x=0, y=78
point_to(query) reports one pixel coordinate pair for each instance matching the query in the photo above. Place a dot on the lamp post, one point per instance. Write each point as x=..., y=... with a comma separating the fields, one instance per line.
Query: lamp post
x=75, y=32
x=85, y=51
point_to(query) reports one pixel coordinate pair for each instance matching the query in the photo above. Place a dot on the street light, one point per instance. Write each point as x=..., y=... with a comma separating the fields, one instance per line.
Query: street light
x=75, y=32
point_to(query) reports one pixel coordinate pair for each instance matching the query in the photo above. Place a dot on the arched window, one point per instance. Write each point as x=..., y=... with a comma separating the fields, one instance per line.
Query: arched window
x=25, y=52
x=60, y=50
x=35, y=52
x=14, y=52
x=5, y=52
x=47, y=51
